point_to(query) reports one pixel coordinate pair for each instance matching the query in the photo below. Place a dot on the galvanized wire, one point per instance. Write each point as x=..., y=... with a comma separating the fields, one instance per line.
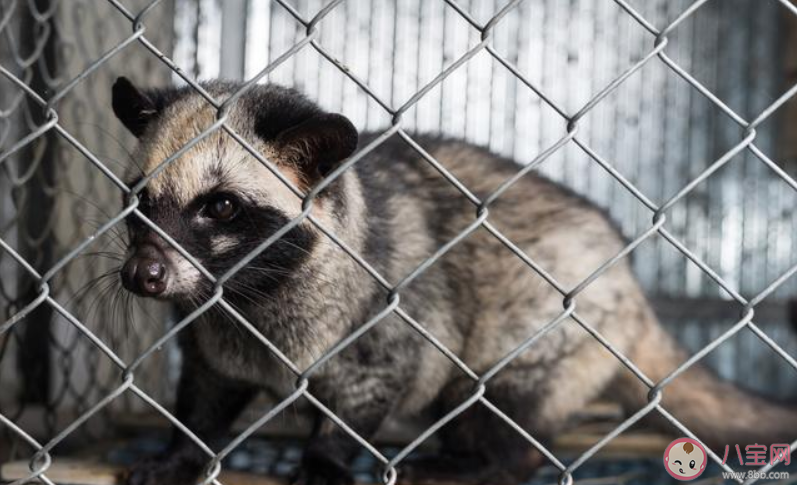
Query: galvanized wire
x=129, y=369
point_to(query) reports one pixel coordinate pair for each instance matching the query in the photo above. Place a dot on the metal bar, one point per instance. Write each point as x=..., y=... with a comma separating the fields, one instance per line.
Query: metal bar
x=34, y=359
x=232, y=54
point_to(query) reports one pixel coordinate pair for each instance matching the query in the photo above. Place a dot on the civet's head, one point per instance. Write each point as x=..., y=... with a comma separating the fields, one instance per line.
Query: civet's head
x=217, y=200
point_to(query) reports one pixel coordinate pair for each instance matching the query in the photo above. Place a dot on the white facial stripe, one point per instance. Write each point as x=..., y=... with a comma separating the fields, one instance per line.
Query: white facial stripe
x=193, y=174
x=257, y=182
x=220, y=244
x=189, y=176
x=184, y=277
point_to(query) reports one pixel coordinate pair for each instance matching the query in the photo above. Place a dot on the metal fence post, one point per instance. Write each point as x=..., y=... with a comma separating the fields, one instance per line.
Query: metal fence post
x=35, y=231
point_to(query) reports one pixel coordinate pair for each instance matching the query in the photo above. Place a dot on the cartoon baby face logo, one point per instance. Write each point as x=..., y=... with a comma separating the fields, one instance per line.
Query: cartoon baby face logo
x=685, y=459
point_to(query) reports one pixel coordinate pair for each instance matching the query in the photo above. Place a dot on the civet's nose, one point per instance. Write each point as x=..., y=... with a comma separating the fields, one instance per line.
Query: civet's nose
x=145, y=276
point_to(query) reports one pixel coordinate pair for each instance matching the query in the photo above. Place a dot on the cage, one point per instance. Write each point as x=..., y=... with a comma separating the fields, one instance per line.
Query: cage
x=694, y=98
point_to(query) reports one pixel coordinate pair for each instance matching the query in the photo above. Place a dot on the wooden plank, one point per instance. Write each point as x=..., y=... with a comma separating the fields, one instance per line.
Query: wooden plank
x=628, y=444
x=90, y=472
x=82, y=472
x=601, y=419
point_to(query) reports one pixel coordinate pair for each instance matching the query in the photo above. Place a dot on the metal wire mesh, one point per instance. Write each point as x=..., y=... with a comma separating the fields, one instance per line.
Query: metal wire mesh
x=42, y=122
x=655, y=129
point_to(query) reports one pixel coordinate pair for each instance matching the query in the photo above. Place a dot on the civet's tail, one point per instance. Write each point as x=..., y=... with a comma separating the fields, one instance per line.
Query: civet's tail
x=717, y=412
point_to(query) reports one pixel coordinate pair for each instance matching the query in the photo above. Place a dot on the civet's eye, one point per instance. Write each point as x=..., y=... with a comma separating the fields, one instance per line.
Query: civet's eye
x=222, y=207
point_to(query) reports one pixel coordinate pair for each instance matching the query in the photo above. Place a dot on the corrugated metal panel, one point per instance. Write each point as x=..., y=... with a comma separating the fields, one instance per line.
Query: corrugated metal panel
x=655, y=129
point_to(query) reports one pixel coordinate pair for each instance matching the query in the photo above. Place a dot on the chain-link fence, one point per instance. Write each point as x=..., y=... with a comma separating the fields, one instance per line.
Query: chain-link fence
x=656, y=129
x=48, y=71
x=53, y=199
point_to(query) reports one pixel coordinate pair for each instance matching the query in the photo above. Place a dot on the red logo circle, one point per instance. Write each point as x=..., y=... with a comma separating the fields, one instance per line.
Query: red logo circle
x=685, y=459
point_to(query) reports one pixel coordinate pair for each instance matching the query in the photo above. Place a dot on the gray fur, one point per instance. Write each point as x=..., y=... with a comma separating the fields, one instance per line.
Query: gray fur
x=480, y=300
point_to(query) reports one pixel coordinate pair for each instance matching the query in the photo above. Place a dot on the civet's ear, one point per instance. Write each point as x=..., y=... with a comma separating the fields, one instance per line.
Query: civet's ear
x=134, y=108
x=317, y=145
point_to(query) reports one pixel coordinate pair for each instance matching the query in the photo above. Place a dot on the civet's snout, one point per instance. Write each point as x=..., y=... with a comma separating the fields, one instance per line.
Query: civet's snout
x=146, y=271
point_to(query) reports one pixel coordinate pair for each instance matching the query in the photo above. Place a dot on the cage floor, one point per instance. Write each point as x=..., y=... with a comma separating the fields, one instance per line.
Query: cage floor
x=266, y=461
